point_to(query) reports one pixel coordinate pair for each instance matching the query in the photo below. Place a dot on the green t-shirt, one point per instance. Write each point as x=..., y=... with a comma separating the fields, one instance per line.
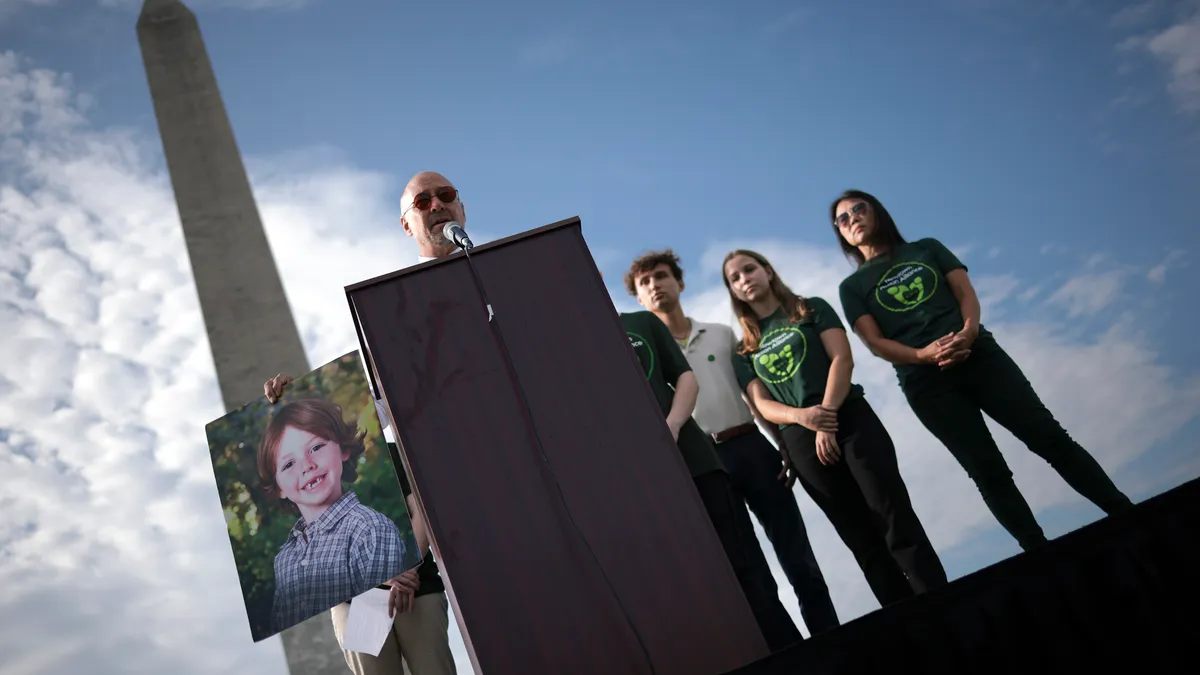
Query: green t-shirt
x=907, y=294
x=427, y=572
x=663, y=362
x=791, y=360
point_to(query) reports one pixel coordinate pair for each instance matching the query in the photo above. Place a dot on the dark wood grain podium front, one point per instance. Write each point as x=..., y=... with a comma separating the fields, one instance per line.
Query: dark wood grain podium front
x=571, y=561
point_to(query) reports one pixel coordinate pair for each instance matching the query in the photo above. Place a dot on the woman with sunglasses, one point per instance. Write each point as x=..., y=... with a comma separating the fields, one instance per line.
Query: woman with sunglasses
x=913, y=305
x=795, y=364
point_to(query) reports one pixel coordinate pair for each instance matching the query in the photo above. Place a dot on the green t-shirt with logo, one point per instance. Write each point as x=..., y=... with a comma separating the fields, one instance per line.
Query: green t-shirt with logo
x=907, y=294
x=791, y=360
x=663, y=362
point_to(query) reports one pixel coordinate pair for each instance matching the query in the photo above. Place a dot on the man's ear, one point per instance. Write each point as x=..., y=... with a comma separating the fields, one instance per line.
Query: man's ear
x=404, y=224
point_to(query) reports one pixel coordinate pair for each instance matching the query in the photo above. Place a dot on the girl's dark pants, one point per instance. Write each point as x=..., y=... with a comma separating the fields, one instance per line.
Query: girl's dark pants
x=866, y=501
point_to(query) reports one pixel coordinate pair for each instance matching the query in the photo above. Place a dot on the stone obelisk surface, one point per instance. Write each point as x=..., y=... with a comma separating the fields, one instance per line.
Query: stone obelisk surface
x=250, y=326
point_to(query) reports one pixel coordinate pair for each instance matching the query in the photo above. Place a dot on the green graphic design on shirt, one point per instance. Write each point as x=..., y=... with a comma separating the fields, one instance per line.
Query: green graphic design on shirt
x=791, y=360
x=781, y=354
x=907, y=295
x=663, y=362
x=905, y=286
x=641, y=347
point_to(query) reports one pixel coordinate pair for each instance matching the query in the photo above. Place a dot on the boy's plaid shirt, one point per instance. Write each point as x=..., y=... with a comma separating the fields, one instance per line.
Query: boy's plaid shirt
x=345, y=552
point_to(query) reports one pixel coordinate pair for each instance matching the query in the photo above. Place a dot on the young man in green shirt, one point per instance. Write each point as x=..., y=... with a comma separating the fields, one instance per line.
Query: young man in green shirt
x=756, y=469
x=913, y=305
x=675, y=387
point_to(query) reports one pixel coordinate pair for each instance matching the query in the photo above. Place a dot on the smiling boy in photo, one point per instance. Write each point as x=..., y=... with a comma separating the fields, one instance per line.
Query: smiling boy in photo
x=338, y=548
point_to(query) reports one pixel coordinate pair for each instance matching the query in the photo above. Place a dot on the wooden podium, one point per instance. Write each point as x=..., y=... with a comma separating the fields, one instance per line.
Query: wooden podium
x=594, y=558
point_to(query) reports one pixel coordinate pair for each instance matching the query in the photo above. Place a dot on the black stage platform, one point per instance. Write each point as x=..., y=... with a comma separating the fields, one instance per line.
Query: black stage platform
x=1118, y=595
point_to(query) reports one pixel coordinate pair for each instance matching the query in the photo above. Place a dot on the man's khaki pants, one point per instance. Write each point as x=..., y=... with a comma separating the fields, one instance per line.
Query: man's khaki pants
x=418, y=644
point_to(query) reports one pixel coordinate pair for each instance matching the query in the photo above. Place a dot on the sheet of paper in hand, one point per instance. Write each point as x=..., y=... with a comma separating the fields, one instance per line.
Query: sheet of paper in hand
x=368, y=623
x=312, y=503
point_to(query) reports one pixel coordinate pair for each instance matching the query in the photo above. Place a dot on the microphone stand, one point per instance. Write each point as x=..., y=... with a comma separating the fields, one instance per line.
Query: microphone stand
x=465, y=244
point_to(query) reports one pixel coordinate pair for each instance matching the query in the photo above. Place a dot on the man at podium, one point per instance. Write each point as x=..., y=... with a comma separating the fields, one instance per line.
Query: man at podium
x=420, y=638
x=674, y=385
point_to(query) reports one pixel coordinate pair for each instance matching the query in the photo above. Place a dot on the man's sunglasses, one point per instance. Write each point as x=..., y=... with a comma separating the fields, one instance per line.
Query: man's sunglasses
x=857, y=210
x=423, y=201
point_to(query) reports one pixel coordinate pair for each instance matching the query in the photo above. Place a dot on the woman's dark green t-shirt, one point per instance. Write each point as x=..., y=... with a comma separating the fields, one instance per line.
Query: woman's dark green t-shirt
x=791, y=360
x=907, y=294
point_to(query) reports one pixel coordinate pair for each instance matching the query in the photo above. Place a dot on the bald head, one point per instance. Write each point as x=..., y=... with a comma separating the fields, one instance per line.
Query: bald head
x=425, y=180
x=429, y=201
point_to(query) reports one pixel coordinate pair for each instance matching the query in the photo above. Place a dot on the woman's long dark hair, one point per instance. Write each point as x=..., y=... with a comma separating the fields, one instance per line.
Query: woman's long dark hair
x=887, y=235
x=793, y=304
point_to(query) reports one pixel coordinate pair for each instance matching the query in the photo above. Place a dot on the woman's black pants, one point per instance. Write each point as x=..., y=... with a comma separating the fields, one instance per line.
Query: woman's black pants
x=951, y=404
x=866, y=501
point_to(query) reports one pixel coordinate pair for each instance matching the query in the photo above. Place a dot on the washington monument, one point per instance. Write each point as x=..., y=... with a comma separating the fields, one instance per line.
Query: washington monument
x=249, y=323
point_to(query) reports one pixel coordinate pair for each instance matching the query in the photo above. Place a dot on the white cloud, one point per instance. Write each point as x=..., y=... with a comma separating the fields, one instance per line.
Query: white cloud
x=1134, y=15
x=994, y=290
x=1177, y=47
x=1174, y=259
x=1029, y=293
x=107, y=382
x=1088, y=294
x=961, y=251
x=299, y=196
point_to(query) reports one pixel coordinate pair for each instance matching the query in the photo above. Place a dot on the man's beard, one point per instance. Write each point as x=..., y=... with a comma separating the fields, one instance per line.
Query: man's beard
x=439, y=245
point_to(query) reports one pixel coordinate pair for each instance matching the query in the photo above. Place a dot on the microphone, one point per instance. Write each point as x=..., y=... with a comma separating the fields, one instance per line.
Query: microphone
x=457, y=236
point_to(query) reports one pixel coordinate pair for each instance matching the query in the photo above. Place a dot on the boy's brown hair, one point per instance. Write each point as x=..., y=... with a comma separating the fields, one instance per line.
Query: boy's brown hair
x=649, y=261
x=320, y=418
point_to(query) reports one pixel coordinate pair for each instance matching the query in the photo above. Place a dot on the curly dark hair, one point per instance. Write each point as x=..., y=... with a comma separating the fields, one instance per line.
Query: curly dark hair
x=649, y=261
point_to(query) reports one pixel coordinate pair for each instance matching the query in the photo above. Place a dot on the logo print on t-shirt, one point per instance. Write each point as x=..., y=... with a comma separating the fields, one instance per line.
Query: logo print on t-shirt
x=780, y=354
x=643, y=351
x=905, y=286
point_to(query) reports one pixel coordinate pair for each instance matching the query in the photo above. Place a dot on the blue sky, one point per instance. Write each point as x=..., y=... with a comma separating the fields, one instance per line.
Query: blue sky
x=1002, y=125
x=1054, y=148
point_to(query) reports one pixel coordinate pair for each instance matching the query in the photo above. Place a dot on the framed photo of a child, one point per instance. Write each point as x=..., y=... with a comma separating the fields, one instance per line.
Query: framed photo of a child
x=312, y=502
